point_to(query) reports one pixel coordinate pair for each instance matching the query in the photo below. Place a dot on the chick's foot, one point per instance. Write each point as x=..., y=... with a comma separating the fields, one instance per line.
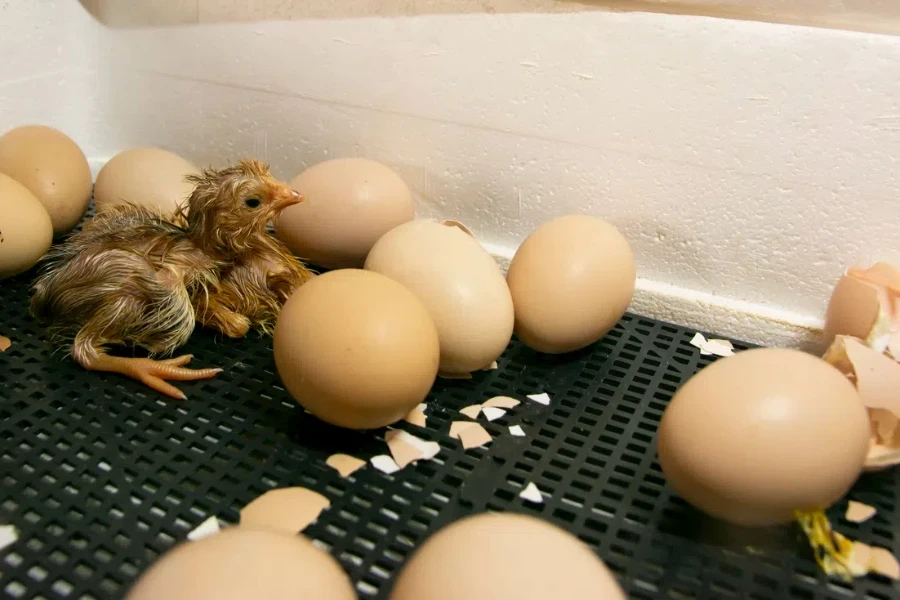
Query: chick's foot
x=153, y=373
x=225, y=320
x=234, y=325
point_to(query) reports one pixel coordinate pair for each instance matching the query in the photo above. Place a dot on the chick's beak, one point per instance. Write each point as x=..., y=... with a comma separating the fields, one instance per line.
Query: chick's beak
x=289, y=199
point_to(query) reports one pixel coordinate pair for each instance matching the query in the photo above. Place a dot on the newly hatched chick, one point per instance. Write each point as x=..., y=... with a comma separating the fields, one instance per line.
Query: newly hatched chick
x=131, y=277
x=258, y=272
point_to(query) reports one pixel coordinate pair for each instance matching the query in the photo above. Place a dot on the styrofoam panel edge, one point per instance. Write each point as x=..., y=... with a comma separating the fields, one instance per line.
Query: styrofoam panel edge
x=720, y=315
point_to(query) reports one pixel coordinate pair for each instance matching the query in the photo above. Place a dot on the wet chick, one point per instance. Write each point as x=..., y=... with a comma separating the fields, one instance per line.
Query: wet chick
x=131, y=277
x=258, y=272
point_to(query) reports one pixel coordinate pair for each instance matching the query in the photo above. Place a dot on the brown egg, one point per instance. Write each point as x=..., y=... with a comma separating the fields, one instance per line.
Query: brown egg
x=349, y=204
x=53, y=168
x=753, y=437
x=505, y=556
x=458, y=281
x=26, y=231
x=239, y=564
x=151, y=177
x=356, y=348
x=571, y=281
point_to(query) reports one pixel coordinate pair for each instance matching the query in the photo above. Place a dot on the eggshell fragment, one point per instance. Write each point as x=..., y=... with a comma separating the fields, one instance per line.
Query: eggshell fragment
x=471, y=411
x=53, y=168
x=205, y=529
x=719, y=347
x=882, y=456
x=150, y=177
x=531, y=493
x=542, y=398
x=809, y=435
x=407, y=448
x=459, y=282
x=470, y=434
x=866, y=559
x=857, y=512
x=348, y=204
x=26, y=231
x=356, y=348
x=885, y=424
x=883, y=562
x=836, y=356
x=385, y=464
x=877, y=379
x=517, y=431
x=457, y=427
x=427, y=449
x=881, y=274
x=240, y=563
x=417, y=417
x=492, y=413
x=5, y=343
x=712, y=347
x=288, y=510
x=860, y=559
x=502, y=402
x=9, y=535
x=505, y=556
x=402, y=452
x=865, y=304
x=571, y=281
x=345, y=464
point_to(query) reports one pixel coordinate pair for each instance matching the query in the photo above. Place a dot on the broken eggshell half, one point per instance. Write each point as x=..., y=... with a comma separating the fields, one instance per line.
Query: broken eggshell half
x=877, y=380
x=865, y=304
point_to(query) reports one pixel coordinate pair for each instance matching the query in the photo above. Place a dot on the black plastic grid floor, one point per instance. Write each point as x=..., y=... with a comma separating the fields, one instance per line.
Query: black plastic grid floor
x=101, y=476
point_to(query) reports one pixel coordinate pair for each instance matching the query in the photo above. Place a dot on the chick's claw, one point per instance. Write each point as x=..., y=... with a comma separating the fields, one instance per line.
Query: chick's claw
x=154, y=373
x=178, y=361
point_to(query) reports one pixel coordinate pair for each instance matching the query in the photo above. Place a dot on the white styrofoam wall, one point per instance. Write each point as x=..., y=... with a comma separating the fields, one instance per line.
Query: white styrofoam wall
x=747, y=163
x=48, y=67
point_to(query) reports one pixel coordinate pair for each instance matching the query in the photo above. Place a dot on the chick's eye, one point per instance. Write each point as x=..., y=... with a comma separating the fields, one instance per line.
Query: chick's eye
x=252, y=202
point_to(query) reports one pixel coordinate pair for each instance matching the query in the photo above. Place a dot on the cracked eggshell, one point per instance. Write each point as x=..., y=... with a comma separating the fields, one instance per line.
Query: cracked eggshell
x=852, y=309
x=238, y=564
x=53, y=168
x=865, y=304
x=151, y=177
x=356, y=349
x=753, y=437
x=881, y=274
x=877, y=379
x=571, y=281
x=348, y=204
x=26, y=231
x=459, y=282
x=505, y=556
